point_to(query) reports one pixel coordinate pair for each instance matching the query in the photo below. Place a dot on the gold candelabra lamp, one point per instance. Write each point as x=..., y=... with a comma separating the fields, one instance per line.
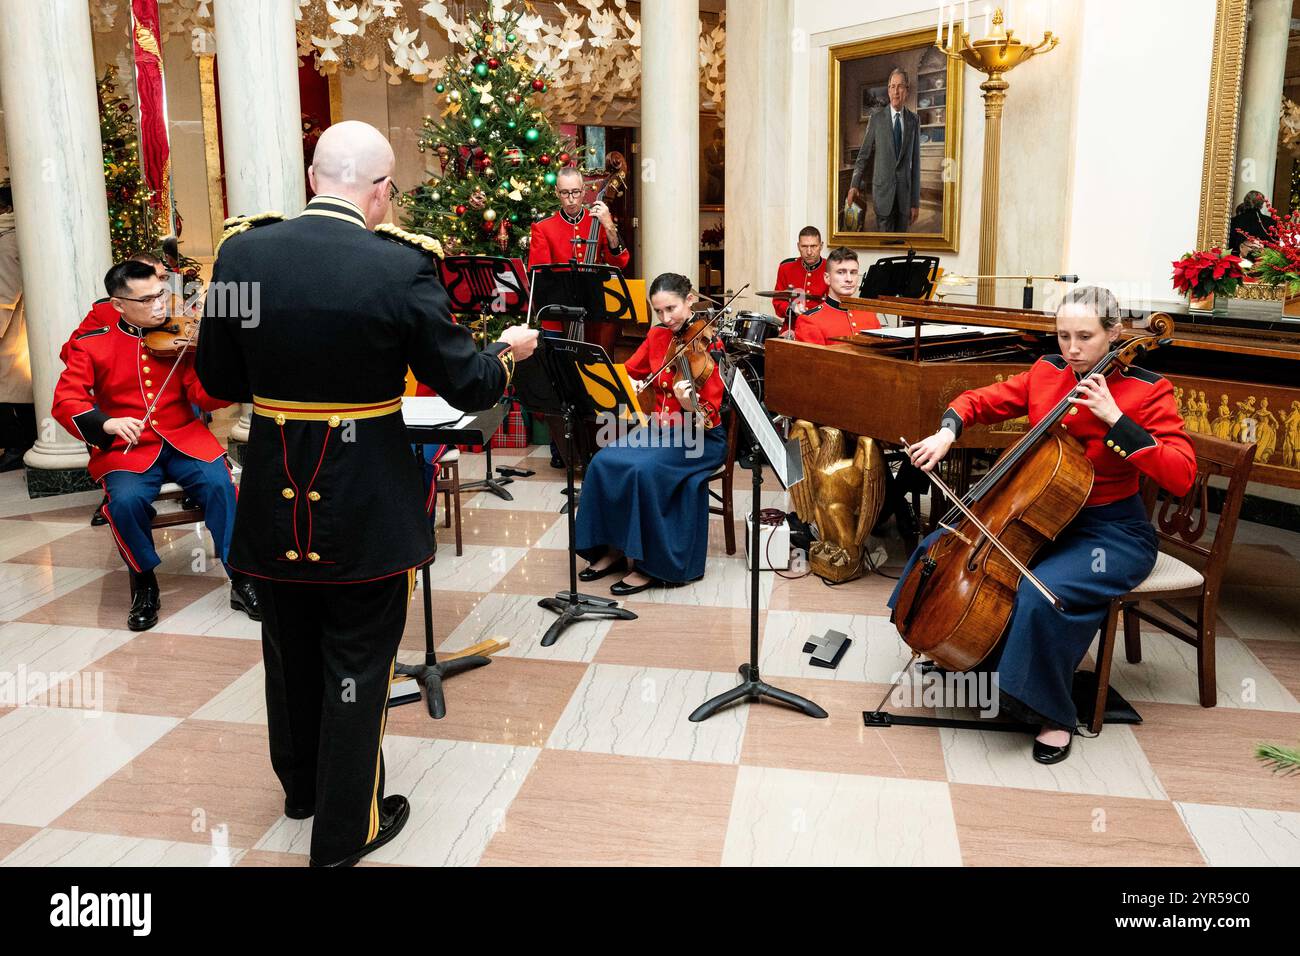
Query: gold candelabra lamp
x=995, y=55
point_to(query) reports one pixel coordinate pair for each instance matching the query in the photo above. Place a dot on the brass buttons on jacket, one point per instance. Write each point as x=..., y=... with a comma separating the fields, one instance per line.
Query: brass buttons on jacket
x=291, y=555
x=279, y=419
x=1074, y=411
x=145, y=370
x=147, y=382
x=155, y=423
x=334, y=421
x=313, y=495
x=1110, y=443
x=286, y=493
x=148, y=394
x=313, y=556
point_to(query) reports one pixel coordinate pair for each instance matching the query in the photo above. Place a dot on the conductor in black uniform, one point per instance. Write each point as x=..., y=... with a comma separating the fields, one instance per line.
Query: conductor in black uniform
x=315, y=321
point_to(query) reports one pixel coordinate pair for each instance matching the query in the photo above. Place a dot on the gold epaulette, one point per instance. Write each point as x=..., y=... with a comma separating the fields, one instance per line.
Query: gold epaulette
x=237, y=224
x=413, y=239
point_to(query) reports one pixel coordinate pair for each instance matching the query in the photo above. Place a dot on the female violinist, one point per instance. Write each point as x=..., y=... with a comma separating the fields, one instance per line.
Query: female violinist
x=645, y=504
x=1129, y=425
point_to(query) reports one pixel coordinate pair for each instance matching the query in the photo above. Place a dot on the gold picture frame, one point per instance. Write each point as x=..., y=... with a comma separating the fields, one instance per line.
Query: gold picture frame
x=934, y=79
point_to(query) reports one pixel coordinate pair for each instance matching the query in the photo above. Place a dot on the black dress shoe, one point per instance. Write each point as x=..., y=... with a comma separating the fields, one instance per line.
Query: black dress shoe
x=298, y=813
x=144, y=608
x=622, y=589
x=393, y=814
x=1044, y=753
x=11, y=460
x=557, y=461
x=99, y=518
x=243, y=597
x=588, y=574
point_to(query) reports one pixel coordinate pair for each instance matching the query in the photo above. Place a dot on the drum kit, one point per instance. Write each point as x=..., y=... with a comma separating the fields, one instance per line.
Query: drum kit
x=744, y=334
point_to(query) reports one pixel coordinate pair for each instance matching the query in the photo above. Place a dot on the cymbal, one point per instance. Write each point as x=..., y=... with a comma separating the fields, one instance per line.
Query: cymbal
x=790, y=295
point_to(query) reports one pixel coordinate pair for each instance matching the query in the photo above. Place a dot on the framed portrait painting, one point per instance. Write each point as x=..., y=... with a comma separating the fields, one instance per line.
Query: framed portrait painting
x=895, y=144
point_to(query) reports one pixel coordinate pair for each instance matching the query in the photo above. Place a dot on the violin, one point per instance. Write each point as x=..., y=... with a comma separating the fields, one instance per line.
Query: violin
x=688, y=353
x=173, y=337
x=956, y=601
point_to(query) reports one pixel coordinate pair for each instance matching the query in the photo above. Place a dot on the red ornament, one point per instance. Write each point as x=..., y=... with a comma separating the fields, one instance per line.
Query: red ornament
x=564, y=157
x=493, y=63
x=460, y=210
x=539, y=84
x=546, y=159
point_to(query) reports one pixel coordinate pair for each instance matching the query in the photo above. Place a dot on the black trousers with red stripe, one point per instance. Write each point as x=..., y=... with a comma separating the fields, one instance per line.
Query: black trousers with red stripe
x=329, y=651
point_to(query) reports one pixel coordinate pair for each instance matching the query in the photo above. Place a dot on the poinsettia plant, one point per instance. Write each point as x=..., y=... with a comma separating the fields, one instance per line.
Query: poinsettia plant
x=1278, y=260
x=1210, y=272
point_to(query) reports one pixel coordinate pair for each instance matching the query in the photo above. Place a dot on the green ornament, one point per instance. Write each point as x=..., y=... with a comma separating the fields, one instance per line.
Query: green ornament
x=550, y=179
x=510, y=38
x=511, y=124
x=441, y=88
x=514, y=217
x=476, y=122
x=481, y=69
x=531, y=134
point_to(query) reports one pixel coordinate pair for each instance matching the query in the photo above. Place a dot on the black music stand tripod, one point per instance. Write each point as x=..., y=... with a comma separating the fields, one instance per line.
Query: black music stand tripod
x=752, y=686
x=552, y=383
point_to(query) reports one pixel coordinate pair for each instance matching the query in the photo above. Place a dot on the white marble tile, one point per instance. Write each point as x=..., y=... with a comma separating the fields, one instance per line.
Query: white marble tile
x=1240, y=836
x=1112, y=764
x=725, y=584
x=556, y=537
x=53, y=757
x=528, y=496
x=242, y=701
x=642, y=712
x=1261, y=613
x=804, y=818
x=459, y=793
x=212, y=615
x=187, y=549
x=53, y=649
x=18, y=537
x=1167, y=675
x=25, y=587
x=478, y=569
x=14, y=500
x=73, y=848
x=519, y=619
x=876, y=655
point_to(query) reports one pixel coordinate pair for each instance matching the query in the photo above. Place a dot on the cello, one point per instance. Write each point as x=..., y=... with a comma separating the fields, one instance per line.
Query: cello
x=956, y=601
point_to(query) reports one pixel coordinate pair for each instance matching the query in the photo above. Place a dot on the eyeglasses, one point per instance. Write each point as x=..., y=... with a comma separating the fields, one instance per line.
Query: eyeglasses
x=393, y=191
x=571, y=193
x=148, y=299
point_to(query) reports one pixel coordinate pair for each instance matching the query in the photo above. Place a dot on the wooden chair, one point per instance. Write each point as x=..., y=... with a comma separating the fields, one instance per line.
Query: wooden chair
x=1181, y=523
x=172, y=517
x=449, y=472
x=724, y=475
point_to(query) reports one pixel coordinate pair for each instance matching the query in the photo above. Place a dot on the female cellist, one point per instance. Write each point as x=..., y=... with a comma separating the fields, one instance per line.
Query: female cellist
x=1129, y=425
x=645, y=505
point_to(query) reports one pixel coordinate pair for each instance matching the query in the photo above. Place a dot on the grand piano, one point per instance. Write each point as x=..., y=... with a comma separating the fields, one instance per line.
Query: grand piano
x=1234, y=378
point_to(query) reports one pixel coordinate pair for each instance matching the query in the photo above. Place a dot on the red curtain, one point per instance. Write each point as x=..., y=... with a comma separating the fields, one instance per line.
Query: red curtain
x=155, y=150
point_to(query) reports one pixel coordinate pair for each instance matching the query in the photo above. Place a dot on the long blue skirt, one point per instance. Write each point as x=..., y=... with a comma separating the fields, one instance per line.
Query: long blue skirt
x=1105, y=552
x=651, y=503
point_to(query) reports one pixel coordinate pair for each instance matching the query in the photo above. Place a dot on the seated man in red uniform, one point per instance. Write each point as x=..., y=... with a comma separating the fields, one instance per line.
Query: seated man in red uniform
x=563, y=236
x=104, y=397
x=830, y=319
x=804, y=273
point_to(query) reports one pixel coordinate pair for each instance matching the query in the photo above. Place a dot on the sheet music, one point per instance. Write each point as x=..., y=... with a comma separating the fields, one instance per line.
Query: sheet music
x=934, y=330
x=432, y=411
x=784, y=457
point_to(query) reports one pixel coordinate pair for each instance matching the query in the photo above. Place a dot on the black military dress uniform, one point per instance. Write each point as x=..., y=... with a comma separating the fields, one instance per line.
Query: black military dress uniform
x=315, y=321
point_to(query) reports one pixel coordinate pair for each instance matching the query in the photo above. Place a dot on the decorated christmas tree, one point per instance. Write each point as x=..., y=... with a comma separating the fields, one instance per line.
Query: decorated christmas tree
x=130, y=218
x=498, y=154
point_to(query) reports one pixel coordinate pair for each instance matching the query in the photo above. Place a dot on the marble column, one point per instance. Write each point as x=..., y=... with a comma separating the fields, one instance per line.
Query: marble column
x=1261, y=96
x=57, y=171
x=670, y=137
x=261, y=119
x=759, y=228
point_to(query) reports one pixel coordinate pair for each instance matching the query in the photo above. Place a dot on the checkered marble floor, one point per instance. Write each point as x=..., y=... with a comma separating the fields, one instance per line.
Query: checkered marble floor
x=150, y=749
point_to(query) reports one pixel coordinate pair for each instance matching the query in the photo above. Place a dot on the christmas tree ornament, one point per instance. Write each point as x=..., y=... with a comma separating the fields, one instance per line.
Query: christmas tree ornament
x=481, y=70
x=493, y=63
x=564, y=157
x=454, y=96
x=550, y=179
x=539, y=84
x=510, y=38
x=531, y=134
x=441, y=88
x=514, y=155
x=489, y=214
x=476, y=122
x=460, y=210
x=511, y=124
x=478, y=199
x=545, y=159
x=503, y=237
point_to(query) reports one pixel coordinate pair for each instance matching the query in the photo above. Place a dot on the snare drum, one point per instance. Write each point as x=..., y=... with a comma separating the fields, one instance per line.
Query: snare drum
x=750, y=330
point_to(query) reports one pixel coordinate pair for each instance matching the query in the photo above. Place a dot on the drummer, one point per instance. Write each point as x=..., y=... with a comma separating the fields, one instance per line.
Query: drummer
x=830, y=319
x=805, y=273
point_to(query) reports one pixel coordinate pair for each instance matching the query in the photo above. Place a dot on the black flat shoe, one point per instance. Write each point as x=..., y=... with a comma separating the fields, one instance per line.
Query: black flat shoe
x=298, y=813
x=144, y=608
x=98, y=518
x=243, y=597
x=1044, y=753
x=587, y=574
x=622, y=589
x=393, y=814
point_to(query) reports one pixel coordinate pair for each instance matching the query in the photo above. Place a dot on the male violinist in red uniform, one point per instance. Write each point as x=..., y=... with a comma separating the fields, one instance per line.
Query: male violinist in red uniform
x=830, y=319
x=804, y=273
x=135, y=411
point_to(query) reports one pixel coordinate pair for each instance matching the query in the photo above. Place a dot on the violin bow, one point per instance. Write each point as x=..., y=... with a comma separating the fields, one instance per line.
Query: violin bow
x=993, y=539
x=148, y=412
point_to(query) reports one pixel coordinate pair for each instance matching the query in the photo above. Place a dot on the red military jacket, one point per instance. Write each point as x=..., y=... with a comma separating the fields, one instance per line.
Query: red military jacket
x=830, y=319
x=552, y=240
x=793, y=274
x=1149, y=437
x=650, y=356
x=102, y=313
x=110, y=375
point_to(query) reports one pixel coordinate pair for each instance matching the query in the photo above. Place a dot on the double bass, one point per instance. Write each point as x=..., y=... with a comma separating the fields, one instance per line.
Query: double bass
x=956, y=601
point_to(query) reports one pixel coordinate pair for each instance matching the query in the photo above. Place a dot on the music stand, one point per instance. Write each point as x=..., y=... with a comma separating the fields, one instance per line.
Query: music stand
x=765, y=445
x=581, y=285
x=551, y=382
x=910, y=275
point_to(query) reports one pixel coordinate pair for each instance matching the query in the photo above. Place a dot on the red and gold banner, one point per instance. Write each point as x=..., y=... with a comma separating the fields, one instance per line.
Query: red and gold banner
x=155, y=149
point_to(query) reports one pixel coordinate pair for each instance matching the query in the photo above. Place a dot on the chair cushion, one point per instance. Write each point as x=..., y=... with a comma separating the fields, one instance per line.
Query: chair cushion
x=170, y=488
x=1170, y=574
x=450, y=456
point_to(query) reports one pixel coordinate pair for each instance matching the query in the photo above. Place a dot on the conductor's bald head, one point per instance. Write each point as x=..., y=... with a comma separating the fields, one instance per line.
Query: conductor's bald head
x=353, y=161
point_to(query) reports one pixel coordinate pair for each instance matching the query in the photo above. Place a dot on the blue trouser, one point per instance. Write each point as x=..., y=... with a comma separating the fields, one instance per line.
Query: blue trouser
x=130, y=503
